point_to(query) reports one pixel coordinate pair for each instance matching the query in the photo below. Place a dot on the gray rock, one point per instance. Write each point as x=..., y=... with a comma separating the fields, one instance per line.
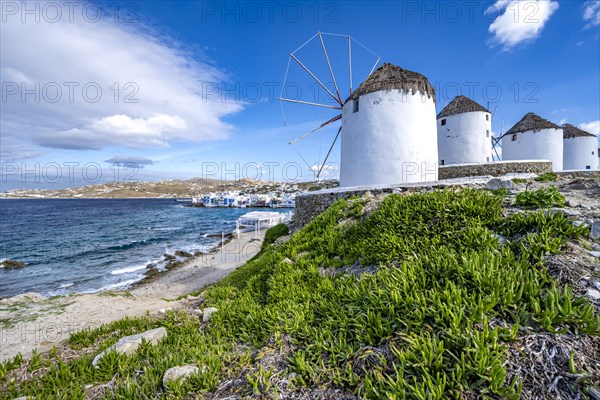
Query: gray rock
x=569, y=212
x=595, y=253
x=595, y=233
x=129, y=344
x=597, y=285
x=25, y=398
x=501, y=239
x=593, y=294
x=177, y=373
x=579, y=223
x=207, y=312
x=499, y=183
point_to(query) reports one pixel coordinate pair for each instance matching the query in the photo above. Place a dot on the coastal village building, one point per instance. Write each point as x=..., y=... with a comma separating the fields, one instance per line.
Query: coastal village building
x=580, y=149
x=464, y=133
x=534, y=138
x=389, y=134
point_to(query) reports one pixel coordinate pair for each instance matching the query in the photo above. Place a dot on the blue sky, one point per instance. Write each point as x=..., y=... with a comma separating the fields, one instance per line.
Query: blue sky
x=161, y=68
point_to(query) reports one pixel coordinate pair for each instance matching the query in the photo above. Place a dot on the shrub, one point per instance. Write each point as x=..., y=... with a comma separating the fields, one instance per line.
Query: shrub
x=541, y=198
x=547, y=177
x=274, y=233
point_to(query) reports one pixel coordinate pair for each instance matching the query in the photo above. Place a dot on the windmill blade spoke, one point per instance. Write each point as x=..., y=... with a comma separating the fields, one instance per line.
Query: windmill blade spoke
x=350, y=60
x=329, y=152
x=374, y=66
x=324, y=124
x=305, y=43
x=316, y=79
x=337, y=90
x=308, y=103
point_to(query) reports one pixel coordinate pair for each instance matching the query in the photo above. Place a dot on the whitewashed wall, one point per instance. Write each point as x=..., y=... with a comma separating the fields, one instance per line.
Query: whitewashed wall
x=463, y=139
x=545, y=144
x=580, y=152
x=391, y=139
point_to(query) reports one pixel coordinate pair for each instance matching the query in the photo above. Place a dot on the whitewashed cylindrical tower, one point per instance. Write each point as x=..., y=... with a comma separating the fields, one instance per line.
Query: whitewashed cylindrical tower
x=388, y=130
x=579, y=149
x=464, y=131
x=534, y=138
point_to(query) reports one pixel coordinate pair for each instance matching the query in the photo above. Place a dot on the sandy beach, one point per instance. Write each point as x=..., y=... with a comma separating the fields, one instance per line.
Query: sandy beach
x=31, y=321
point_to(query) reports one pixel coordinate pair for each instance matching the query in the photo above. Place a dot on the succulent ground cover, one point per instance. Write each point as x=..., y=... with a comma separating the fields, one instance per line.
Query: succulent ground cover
x=426, y=296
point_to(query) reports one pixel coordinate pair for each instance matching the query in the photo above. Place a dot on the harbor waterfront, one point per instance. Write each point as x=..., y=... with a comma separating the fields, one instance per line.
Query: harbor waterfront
x=91, y=245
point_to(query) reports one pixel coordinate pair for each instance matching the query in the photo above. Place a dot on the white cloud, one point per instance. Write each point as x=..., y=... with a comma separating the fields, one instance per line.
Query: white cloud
x=150, y=87
x=519, y=21
x=592, y=127
x=591, y=13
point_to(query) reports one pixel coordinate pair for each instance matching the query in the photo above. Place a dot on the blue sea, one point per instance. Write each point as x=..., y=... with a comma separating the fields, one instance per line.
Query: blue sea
x=89, y=245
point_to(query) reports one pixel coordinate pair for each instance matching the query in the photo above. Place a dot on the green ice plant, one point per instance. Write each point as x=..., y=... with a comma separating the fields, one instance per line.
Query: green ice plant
x=411, y=319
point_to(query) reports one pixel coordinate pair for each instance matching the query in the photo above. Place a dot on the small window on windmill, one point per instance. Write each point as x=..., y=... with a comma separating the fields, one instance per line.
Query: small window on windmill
x=487, y=117
x=355, y=109
x=442, y=162
x=444, y=122
x=514, y=138
x=487, y=159
x=487, y=133
x=588, y=167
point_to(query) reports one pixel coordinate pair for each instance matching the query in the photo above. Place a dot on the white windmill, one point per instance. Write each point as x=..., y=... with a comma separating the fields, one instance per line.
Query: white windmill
x=330, y=73
x=389, y=126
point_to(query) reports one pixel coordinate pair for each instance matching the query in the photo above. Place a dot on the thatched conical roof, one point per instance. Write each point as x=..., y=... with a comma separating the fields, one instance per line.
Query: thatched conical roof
x=570, y=131
x=531, y=122
x=389, y=76
x=459, y=105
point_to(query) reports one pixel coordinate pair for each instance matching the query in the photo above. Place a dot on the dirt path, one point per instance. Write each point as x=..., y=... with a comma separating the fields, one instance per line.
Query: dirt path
x=31, y=321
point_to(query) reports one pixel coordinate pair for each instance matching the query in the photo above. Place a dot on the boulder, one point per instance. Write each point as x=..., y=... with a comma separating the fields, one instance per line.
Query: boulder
x=207, y=312
x=593, y=294
x=176, y=373
x=12, y=264
x=569, y=212
x=129, y=344
x=183, y=254
x=499, y=183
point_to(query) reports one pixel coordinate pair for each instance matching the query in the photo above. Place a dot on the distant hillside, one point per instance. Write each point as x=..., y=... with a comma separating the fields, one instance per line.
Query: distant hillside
x=170, y=189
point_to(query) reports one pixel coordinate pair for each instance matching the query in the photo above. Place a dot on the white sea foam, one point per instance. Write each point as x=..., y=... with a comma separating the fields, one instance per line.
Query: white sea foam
x=127, y=270
x=118, y=285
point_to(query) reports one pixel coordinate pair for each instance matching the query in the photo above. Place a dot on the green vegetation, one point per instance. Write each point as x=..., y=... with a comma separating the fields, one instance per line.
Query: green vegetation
x=547, y=177
x=274, y=233
x=541, y=198
x=419, y=327
x=517, y=181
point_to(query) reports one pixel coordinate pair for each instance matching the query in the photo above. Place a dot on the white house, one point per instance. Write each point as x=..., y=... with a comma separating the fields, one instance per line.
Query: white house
x=580, y=149
x=534, y=138
x=464, y=131
x=388, y=130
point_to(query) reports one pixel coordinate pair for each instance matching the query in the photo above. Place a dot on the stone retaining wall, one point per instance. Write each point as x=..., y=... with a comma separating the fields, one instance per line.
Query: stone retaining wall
x=500, y=168
x=309, y=205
